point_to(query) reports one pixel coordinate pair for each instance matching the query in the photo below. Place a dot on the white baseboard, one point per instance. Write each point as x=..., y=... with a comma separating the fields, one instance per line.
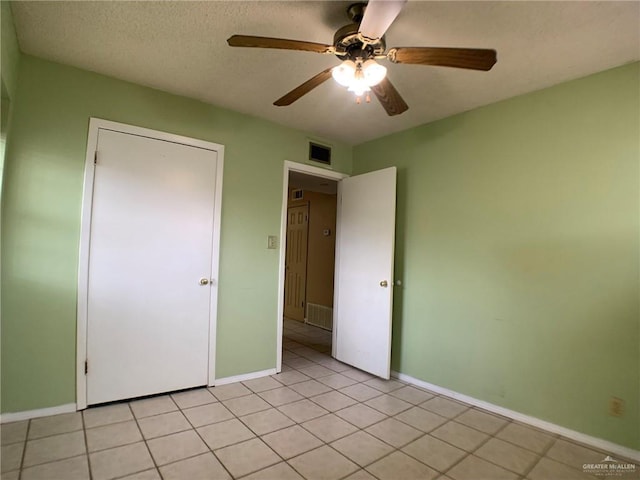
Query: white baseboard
x=72, y=407
x=595, y=442
x=41, y=412
x=244, y=377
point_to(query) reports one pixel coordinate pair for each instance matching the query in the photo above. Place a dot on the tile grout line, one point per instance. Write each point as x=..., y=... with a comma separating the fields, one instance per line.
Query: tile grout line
x=394, y=448
x=472, y=451
x=544, y=455
x=322, y=416
x=205, y=442
x=86, y=445
x=24, y=450
x=491, y=437
x=145, y=444
x=541, y=455
x=257, y=437
x=513, y=422
x=53, y=434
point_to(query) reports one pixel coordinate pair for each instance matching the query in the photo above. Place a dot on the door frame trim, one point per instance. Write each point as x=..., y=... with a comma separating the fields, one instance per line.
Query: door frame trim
x=315, y=172
x=95, y=124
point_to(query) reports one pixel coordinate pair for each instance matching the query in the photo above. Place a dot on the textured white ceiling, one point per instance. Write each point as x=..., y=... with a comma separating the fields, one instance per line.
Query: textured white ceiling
x=180, y=47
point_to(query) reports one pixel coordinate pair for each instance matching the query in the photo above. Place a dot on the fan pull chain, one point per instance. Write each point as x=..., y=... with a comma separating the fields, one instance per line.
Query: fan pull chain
x=367, y=99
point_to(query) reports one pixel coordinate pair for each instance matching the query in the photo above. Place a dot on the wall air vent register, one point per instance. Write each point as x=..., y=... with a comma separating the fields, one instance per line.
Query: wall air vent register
x=319, y=153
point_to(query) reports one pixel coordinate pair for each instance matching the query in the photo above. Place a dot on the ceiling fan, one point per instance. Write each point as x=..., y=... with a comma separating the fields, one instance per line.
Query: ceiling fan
x=359, y=45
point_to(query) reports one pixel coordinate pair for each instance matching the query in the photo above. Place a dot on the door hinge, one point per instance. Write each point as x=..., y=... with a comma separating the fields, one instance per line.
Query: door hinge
x=95, y=158
x=86, y=367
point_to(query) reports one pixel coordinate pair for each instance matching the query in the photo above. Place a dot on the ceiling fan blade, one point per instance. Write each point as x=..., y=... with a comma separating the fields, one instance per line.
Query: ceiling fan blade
x=471, y=58
x=303, y=89
x=281, y=43
x=378, y=17
x=389, y=97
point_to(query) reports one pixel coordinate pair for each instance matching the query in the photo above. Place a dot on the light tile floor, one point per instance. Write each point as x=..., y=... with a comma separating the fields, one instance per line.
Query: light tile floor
x=317, y=420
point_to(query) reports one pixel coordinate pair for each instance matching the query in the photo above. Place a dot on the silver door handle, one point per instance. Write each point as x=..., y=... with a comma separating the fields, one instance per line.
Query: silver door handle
x=384, y=284
x=204, y=281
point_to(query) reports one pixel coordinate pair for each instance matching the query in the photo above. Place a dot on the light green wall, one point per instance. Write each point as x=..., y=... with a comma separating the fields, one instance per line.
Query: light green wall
x=41, y=222
x=517, y=242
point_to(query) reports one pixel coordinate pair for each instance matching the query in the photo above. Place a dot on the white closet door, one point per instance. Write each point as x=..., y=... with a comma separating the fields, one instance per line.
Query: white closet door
x=149, y=289
x=364, y=287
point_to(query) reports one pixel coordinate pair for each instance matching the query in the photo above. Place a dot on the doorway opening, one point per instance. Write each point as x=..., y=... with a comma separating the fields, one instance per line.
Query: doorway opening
x=310, y=244
x=364, y=268
x=307, y=259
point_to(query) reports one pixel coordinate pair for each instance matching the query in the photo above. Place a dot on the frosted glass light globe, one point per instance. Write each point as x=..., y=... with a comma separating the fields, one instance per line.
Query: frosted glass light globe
x=373, y=72
x=344, y=73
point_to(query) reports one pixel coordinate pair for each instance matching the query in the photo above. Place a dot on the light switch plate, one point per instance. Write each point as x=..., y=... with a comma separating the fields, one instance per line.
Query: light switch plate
x=272, y=242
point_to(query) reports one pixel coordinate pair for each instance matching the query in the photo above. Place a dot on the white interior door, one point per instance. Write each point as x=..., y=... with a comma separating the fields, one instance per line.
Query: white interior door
x=296, y=262
x=148, y=311
x=364, y=263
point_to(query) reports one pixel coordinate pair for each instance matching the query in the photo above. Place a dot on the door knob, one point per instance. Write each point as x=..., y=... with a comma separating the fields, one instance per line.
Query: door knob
x=204, y=281
x=384, y=284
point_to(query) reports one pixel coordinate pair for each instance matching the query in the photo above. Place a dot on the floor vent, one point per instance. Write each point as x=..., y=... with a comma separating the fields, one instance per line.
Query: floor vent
x=320, y=316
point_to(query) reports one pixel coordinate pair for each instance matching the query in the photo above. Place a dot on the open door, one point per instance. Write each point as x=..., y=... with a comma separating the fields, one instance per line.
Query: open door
x=364, y=265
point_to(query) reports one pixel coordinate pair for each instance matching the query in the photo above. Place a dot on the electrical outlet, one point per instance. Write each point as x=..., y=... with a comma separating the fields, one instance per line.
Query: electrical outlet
x=616, y=406
x=272, y=242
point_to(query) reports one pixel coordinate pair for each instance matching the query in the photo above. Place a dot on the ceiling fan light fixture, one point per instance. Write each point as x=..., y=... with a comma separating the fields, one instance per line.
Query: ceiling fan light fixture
x=344, y=73
x=373, y=72
x=358, y=45
x=359, y=76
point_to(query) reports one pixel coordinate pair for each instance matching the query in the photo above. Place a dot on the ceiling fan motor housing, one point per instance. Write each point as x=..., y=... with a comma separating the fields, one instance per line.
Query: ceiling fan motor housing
x=348, y=44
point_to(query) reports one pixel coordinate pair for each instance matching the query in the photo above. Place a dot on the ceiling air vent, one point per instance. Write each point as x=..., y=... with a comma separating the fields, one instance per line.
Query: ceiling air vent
x=297, y=194
x=319, y=153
